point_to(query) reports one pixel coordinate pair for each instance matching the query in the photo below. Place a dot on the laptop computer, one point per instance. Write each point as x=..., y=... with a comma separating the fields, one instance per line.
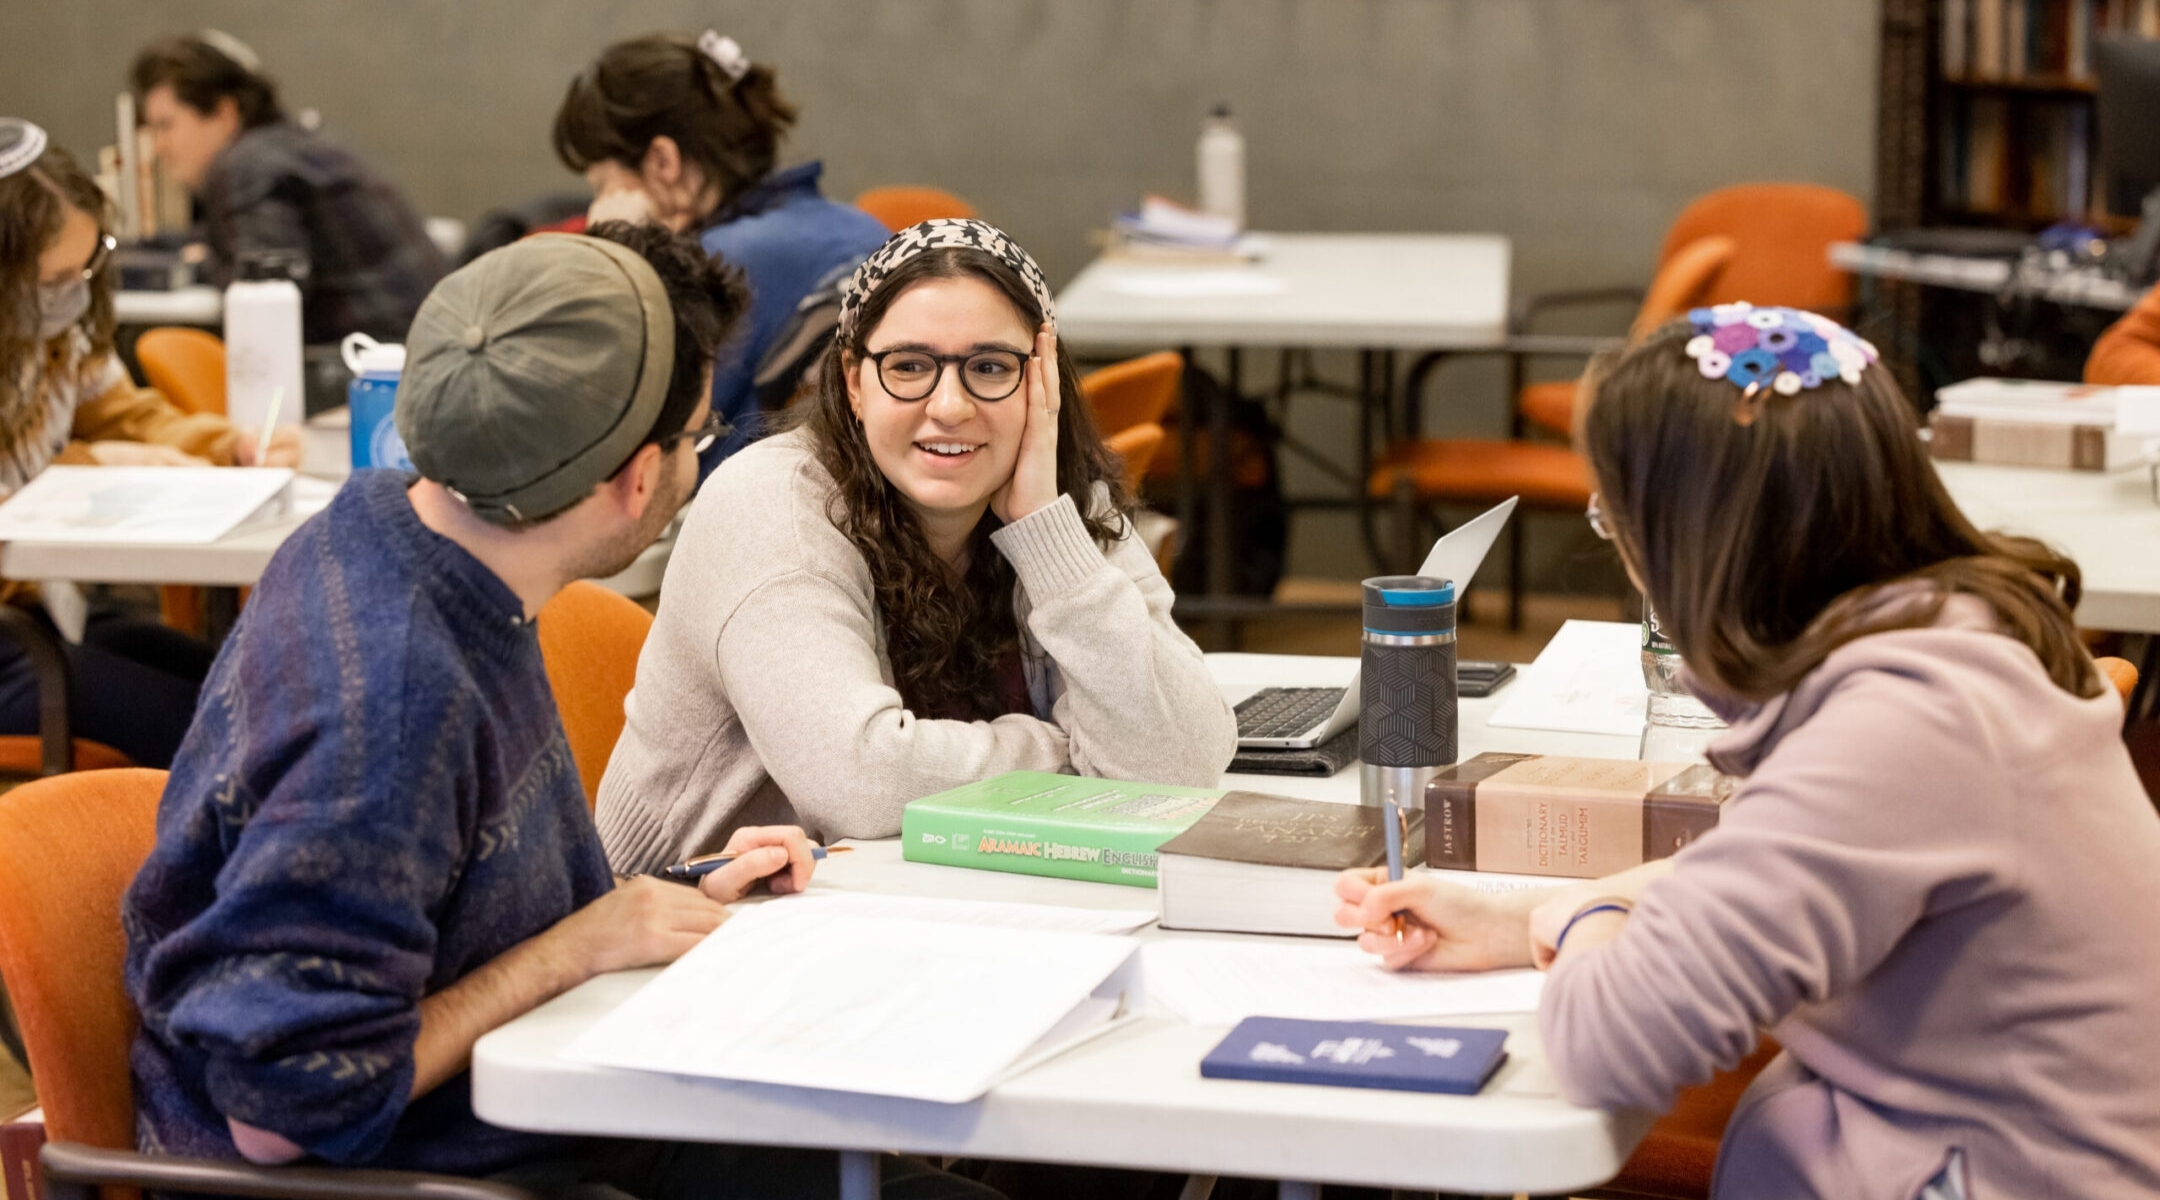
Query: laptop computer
x=1300, y=718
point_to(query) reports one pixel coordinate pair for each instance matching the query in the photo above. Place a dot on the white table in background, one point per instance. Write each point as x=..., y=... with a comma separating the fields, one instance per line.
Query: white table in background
x=199, y=305
x=2107, y=522
x=1132, y=1098
x=239, y=560
x=1372, y=292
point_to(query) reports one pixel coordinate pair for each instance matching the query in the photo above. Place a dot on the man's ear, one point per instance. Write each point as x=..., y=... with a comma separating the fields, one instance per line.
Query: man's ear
x=663, y=162
x=226, y=109
x=638, y=482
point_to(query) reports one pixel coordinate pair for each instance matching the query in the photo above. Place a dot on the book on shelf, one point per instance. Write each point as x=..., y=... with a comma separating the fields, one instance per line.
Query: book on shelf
x=1583, y=818
x=1267, y=864
x=1064, y=826
x=1365, y=1054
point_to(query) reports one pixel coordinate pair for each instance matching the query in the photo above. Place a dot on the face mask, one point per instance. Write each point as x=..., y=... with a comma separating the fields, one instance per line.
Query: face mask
x=60, y=305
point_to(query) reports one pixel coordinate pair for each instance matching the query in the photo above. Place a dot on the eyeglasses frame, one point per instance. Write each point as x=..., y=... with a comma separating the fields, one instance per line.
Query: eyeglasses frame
x=961, y=360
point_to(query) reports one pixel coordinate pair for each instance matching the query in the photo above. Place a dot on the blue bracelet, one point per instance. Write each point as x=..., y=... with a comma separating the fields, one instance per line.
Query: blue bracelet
x=1615, y=905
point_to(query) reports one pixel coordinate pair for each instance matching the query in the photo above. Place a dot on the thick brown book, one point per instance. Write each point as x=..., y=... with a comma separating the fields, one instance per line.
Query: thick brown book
x=1582, y=818
x=20, y=1140
x=1267, y=864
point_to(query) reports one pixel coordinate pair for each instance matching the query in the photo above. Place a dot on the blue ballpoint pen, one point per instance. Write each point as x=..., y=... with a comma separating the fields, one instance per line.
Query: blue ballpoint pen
x=1391, y=815
x=706, y=864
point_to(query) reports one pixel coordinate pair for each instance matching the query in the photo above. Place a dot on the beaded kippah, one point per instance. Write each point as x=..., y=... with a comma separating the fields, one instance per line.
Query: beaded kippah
x=1785, y=350
x=21, y=142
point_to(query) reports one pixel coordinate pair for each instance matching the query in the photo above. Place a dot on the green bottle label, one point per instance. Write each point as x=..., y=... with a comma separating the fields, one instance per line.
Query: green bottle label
x=1654, y=640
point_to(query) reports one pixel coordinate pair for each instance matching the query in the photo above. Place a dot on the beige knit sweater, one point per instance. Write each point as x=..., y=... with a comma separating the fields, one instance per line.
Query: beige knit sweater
x=764, y=694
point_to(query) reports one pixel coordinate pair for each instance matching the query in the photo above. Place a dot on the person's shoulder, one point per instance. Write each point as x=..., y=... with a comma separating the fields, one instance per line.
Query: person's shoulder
x=768, y=510
x=806, y=226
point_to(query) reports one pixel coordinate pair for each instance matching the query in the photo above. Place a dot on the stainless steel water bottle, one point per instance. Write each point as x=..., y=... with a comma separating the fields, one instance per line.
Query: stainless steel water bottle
x=1406, y=723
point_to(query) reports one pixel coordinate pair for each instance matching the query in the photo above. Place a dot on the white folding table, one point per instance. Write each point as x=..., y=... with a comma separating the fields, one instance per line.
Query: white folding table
x=2107, y=522
x=1132, y=1098
x=1372, y=292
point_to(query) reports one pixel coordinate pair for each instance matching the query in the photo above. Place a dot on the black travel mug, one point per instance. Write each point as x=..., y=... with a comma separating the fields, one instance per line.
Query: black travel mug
x=1406, y=722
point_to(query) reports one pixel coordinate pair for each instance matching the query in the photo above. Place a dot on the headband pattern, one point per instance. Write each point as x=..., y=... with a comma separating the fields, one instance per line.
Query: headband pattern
x=18, y=152
x=726, y=52
x=1784, y=350
x=938, y=234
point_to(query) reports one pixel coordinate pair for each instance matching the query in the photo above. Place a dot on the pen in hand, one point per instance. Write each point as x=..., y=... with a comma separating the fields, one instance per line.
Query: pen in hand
x=705, y=864
x=1397, y=832
x=269, y=425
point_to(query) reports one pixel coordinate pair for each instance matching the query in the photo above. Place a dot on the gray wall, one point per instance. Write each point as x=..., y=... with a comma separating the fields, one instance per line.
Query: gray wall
x=1578, y=127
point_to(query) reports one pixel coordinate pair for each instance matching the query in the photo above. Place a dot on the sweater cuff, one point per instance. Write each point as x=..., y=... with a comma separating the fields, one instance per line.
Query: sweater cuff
x=1050, y=549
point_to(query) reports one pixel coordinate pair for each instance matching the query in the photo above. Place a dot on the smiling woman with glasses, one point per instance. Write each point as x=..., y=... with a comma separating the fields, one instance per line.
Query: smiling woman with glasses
x=927, y=578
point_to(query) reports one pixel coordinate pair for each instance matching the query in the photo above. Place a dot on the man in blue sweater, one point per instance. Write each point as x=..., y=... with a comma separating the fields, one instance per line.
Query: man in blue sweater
x=374, y=847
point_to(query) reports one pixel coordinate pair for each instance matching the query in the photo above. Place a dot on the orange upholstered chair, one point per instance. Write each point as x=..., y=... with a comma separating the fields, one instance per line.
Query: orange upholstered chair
x=1782, y=233
x=903, y=205
x=590, y=638
x=68, y=848
x=2121, y=674
x=1137, y=445
x=1137, y=391
x=187, y=365
x=1683, y=281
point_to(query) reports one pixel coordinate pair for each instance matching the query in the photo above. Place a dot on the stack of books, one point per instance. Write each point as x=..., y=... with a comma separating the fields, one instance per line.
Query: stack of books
x=2037, y=423
x=1164, y=231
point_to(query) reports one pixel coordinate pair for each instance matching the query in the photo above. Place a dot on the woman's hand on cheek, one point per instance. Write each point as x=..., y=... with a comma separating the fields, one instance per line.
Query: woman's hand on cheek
x=1034, y=482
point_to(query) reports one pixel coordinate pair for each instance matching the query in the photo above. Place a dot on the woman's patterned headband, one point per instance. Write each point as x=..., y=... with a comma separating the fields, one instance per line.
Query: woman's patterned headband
x=1781, y=350
x=20, y=145
x=939, y=234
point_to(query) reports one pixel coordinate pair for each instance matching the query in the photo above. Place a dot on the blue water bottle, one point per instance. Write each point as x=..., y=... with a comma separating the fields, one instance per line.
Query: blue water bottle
x=371, y=399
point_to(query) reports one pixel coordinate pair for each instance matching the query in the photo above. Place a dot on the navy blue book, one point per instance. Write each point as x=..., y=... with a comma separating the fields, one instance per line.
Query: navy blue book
x=1404, y=1058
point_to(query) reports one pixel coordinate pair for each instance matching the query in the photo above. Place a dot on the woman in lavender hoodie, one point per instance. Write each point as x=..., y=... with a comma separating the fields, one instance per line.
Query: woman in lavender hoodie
x=1936, y=882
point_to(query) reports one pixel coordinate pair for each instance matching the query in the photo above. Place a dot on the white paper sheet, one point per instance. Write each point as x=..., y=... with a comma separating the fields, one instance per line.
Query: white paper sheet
x=143, y=505
x=1587, y=679
x=811, y=995
x=1212, y=982
x=1052, y=917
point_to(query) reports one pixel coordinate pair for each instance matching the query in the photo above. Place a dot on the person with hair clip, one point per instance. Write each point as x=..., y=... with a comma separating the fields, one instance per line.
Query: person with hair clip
x=687, y=132
x=263, y=182
x=929, y=577
x=65, y=398
x=1935, y=880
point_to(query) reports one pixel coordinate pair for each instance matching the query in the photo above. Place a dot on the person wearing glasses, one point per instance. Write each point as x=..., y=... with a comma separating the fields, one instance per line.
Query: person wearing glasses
x=928, y=578
x=66, y=398
x=1934, y=881
x=687, y=132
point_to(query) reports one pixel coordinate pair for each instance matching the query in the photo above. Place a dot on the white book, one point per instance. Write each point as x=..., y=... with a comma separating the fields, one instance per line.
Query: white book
x=2040, y=401
x=819, y=995
x=163, y=506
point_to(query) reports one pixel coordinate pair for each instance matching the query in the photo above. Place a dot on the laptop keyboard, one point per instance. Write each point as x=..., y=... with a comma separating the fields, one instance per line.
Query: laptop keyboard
x=1285, y=712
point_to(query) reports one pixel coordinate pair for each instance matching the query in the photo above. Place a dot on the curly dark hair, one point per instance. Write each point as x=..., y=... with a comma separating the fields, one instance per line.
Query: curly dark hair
x=947, y=636
x=33, y=203
x=200, y=74
x=709, y=299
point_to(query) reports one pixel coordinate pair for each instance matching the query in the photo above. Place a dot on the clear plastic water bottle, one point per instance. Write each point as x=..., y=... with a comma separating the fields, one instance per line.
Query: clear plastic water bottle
x=1676, y=726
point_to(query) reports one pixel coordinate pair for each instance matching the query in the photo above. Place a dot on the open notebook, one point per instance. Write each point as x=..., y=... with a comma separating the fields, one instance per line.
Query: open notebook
x=929, y=1000
x=144, y=505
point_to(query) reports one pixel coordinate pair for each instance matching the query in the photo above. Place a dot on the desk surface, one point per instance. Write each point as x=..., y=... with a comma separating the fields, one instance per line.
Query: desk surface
x=2107, y=522
x=1415, y=291
x=240, y=559
x=1131, y=1098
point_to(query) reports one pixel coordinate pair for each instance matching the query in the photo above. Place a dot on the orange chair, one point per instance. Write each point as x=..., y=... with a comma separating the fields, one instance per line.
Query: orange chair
x=187, y=365
x=1138, y=391
x=68, y=848
x=1683, y=281
x=1137, y=445
x=900, y=206
x=590, y=638
x=2121, y=674
x=1783, y=233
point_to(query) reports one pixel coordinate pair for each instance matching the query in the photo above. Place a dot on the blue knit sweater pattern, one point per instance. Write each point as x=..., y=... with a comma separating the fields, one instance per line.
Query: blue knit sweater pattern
x=375, y=800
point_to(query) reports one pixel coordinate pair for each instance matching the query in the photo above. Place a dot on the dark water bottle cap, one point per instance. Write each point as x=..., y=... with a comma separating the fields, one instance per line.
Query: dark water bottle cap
x=1409, y=604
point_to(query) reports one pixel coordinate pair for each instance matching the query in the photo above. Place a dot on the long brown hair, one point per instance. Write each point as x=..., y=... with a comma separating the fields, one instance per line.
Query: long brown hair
x=662, y=85
x=946, y=637
x=33, y=204
x=1765, y=546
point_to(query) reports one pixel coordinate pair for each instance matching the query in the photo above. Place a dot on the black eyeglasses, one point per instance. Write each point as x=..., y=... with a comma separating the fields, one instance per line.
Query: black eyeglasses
x=707, y=432
x=914, y=374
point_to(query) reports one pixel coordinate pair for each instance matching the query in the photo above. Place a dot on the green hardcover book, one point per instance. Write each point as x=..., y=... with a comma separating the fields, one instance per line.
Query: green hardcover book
x=1063, y=826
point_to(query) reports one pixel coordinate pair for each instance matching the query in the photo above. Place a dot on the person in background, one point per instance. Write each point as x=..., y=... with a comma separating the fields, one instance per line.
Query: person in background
x=687, y=133
x=262, y=182
x=1934, y=882
x=373, y=847
x=929, y=578
x=65, y=398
